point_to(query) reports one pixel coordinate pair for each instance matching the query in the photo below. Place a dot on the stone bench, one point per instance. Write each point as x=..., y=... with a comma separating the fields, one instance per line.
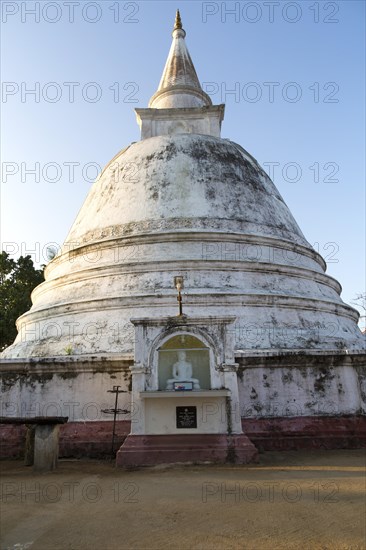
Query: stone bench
x=41, y=444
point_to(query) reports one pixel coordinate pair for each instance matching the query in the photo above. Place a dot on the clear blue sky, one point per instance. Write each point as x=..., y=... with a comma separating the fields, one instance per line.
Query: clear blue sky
x=310, y=51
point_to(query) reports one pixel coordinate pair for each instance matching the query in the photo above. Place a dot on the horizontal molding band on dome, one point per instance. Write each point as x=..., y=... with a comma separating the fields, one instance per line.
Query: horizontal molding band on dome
x=199, y=266
x=186, y=236
x=196, y=224
x=222, y=300
x=192, y=226
x=70, y=364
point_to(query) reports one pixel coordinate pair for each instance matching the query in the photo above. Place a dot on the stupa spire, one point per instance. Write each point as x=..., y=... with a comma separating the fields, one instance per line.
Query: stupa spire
x=179, y=86
x=178, y=21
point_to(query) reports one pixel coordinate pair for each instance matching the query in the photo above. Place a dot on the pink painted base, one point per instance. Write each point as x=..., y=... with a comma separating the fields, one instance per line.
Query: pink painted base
x=93, y=439
x=145, y=450
x=306, y=432
x=77, y=439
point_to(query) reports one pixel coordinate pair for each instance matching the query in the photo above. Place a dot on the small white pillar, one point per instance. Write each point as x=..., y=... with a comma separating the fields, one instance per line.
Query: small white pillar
x=46, y=447
x=138, y=372
x=231, y=383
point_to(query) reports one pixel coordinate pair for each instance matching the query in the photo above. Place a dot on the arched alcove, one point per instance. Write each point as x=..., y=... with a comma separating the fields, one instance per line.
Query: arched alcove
x=197, y=353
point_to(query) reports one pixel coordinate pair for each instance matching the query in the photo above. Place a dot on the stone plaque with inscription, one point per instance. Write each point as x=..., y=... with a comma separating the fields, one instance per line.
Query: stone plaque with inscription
x=186, y=417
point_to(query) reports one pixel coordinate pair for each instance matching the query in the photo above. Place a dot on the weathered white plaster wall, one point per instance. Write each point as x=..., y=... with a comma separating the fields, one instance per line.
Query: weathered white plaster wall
x=78, y=393
x=263, y=392
x=306, y=391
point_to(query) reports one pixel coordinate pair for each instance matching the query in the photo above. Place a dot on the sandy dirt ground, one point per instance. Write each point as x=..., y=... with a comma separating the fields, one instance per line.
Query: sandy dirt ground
x=292, y=500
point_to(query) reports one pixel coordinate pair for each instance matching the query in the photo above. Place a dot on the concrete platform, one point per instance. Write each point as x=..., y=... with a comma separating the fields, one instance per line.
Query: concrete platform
x=147, y=450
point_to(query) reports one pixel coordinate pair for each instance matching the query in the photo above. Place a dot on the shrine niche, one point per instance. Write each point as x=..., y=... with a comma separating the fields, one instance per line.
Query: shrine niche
x=184, y=393
x=184, y=358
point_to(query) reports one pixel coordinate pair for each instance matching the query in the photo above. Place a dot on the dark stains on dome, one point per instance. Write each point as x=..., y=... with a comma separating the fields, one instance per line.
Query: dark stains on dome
x=210, y=192
x=165, y=154
x=213, y=151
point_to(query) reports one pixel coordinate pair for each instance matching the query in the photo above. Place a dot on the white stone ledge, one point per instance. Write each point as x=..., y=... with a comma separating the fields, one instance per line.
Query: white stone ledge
x=183, y=394
x=183, y=320
x=70, y=364
x=107, y=364
x=298, y=352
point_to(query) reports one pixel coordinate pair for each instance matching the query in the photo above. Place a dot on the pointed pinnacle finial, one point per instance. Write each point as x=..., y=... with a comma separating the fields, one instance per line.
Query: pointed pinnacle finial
x=178, y=21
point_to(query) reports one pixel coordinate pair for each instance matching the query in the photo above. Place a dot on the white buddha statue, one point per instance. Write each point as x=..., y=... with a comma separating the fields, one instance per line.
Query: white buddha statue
x=182, y=372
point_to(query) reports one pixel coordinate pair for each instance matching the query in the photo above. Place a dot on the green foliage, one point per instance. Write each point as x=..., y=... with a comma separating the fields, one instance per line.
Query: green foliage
x=17, y=280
